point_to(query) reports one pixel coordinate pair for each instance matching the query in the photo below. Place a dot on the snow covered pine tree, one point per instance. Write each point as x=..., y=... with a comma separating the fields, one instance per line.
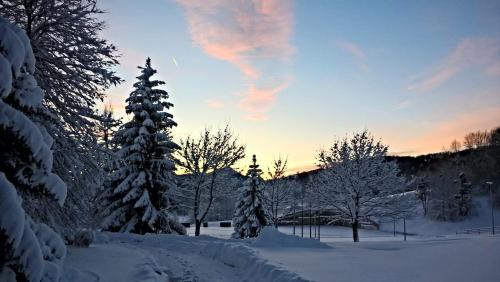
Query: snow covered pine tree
x=137, y=199
x=75, y=67
x=28, y=251
x=250, y=216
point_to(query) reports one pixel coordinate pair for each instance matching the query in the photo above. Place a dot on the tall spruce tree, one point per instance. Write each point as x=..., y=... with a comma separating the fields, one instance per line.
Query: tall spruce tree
x=137, y=199
x=250, y=216
x=29, y=251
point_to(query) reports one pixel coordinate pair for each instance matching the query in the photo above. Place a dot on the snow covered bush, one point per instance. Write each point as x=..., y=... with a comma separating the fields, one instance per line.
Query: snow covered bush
x=358, y=184
x=28, y=250
x=250, y=216
x=137, y=198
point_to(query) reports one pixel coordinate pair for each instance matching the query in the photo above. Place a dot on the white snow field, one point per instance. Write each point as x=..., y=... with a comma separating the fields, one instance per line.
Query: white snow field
x=442, y=259
x=275, y=256
x=435, y=253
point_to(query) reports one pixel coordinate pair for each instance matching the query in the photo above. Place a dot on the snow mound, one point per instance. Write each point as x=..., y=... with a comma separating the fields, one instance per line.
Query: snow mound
x=271, y=237
x=253, y=267
x=150, y=271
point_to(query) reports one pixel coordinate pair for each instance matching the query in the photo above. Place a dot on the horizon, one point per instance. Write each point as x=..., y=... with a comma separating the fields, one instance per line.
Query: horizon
x=292, y=76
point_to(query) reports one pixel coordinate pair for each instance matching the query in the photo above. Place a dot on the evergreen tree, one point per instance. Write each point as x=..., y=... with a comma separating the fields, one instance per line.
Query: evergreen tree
x=250, y=216
x=107, y=128
x=463, y=197
x=74, y=68
x=28, y=251
x=137, y=197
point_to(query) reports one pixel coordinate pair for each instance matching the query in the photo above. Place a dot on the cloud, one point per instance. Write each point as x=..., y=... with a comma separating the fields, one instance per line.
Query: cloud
x=215, y=104
x=403, y=104
x=481, y=53
x=258, y=100
x=494, y=69
x=246, y=34
x=355, y=51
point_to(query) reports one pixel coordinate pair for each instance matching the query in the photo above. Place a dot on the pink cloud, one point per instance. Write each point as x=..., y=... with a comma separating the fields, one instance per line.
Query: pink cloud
x=355, y=51
x=258, y=100
x=352, y=49
x=494, y=70
x=481, y=53
x=245, y=34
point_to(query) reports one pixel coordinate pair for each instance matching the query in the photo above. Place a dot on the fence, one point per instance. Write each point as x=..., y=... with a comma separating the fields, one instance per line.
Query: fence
x=479, y=230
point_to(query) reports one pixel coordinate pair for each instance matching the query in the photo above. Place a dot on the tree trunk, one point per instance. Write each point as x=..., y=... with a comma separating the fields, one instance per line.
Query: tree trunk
x=355, y=234
x=197, y=223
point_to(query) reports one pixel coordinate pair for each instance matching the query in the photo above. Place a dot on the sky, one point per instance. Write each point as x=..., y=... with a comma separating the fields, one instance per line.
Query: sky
x=290, y=77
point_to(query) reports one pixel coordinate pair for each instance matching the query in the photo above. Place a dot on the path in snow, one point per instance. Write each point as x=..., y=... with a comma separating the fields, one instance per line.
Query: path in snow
x=128, y=257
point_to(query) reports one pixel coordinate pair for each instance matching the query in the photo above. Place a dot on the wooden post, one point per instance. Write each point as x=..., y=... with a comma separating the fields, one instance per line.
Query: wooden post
x=492, y=211
x=394, y=227
x=404, y=226
x=302, y=214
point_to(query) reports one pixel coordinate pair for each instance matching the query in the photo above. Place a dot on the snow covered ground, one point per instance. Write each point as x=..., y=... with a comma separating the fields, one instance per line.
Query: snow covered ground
x=424, y=227
x=128, y=257
x=436, y=253
x=445, y=259
x=328, y=234
x=279, y=257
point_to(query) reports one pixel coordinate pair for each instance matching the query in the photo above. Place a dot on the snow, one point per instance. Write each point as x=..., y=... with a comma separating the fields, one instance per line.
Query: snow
x=450, y=259
x=95, y=263
x=152, y=257
x=32, y=251
x=424, y=227
x=278, y=257
x=270, y=237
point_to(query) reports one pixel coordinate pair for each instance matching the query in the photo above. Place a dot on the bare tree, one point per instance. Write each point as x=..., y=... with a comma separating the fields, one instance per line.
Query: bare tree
x=494, y=137
x=202, y=160
x=277, y=189
x=455, y=146
x=476, y=139
x=357, y=182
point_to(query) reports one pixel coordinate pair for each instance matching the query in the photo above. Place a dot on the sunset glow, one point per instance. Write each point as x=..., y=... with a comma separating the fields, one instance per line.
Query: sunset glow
x=291, y=76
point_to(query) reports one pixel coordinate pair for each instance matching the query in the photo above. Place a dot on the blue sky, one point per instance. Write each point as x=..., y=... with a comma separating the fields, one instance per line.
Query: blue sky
x=290, y=76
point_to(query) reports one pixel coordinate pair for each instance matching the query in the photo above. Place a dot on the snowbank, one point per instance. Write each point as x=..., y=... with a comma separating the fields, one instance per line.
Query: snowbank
x=248, y=261
x=271, y=237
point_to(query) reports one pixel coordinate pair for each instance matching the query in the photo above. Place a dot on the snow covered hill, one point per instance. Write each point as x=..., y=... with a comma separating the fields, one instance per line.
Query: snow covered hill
x=424, y=227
